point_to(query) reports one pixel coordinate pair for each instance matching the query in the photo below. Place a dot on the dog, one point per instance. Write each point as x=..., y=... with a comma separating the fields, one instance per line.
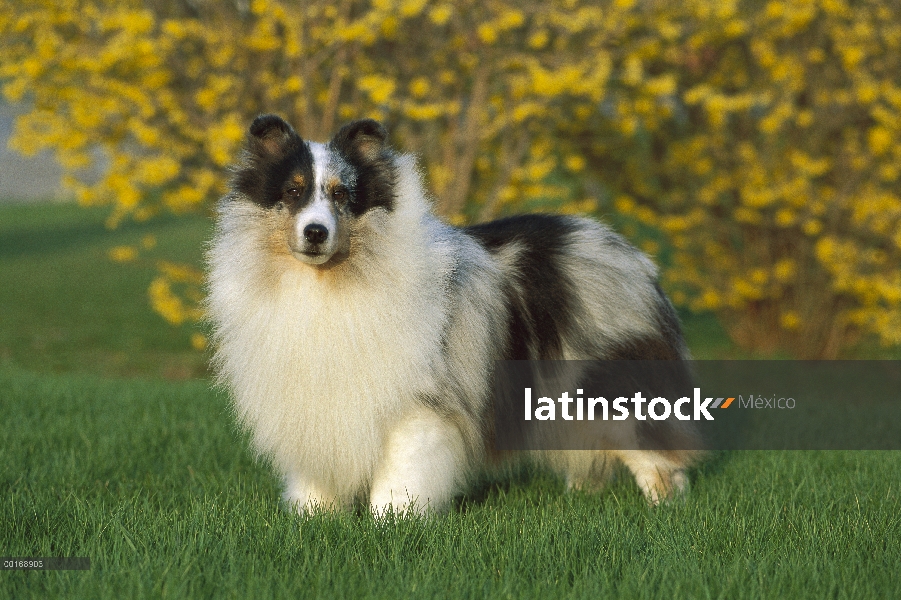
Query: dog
x=357, y=333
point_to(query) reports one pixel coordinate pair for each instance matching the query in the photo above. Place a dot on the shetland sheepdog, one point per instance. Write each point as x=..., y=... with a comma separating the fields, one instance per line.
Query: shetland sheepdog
x=357, y=333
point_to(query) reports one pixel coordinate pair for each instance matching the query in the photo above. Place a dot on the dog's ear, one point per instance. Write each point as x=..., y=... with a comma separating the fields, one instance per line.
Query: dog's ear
x=270, y=135
x=364, y=140
x=364, y=144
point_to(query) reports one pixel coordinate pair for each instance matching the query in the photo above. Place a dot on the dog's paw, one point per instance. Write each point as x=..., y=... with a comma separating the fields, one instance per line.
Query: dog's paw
x=399, y=505
x=304, y=497
x=661, y=487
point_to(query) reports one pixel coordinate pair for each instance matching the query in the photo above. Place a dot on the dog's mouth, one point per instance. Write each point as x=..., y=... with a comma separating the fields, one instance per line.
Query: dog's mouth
x=320, y=260
x=320, y=254
x=311, y=255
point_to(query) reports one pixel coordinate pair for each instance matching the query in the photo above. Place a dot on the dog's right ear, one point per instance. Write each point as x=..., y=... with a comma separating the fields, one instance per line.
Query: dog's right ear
x=270, y=135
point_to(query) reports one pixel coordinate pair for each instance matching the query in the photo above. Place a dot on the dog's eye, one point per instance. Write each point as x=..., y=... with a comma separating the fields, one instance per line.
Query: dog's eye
x=339, y=194
x=293, y=191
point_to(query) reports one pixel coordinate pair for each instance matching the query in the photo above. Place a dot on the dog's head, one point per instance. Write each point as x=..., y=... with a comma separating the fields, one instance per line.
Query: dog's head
x=317, y=189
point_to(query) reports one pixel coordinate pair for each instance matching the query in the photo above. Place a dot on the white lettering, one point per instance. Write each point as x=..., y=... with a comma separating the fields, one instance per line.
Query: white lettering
x=666, y=407
x=701, y=408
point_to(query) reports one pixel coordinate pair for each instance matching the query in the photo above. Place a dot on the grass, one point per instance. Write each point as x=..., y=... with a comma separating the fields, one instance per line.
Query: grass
x=67, y=307
x=106, y=451
x=149, y=480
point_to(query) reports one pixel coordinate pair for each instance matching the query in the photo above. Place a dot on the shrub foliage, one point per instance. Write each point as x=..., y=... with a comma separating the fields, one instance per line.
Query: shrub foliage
x=754, y=144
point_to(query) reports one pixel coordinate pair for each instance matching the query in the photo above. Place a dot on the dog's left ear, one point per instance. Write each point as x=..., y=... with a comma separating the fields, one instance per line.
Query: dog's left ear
x=364, y=140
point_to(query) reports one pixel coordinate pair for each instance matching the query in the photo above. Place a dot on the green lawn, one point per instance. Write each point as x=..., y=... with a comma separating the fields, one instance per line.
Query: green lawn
x=110, y=450
x=66, y=306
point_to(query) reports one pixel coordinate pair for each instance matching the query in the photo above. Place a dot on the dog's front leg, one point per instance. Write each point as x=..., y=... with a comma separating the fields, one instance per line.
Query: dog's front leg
x=304, y=495
x=423, y=464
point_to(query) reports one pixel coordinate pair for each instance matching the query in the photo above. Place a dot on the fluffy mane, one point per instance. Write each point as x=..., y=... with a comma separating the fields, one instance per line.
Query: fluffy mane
x=320, y=361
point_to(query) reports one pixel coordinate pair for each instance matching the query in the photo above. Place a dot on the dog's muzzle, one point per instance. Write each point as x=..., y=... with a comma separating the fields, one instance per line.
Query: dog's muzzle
x=314, y=243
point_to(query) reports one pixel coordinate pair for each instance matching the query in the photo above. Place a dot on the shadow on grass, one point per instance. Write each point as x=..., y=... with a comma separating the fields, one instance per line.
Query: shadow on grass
x=499, y=482
x=712, y=464
x=523, y=476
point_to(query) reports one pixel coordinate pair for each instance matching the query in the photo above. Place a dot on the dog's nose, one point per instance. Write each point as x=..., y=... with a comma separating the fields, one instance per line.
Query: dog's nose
x=315, y=233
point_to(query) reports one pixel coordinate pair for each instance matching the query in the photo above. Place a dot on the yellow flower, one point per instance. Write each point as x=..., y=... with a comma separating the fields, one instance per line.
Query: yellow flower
x=650, y=246
x=816, y=55
x=634, y=70
x=510, y=19
x=538, y=170
x=198, y=341
x=411, y=8
x=380, y=88
x=389, y=26
x=419, y=87
x=123, y=253
x=625, y=204
x=851, y=57
x=880, y=140
x=258, y=7
x=784, y=270
x=785, y=217
x=889, y=172
x=158, y=170
x=539, y=39
x=575, y=163
x=710, y=300
x=759, y=276
x=790, y=320
x=812, y=227
x=423, y=112
x=804, y=118
x=487, y=32
x=662, y=86
x=440, y=14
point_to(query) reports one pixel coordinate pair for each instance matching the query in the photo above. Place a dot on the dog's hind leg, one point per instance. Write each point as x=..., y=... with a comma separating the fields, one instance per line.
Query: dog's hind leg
x=660, y=475
x=422, y=466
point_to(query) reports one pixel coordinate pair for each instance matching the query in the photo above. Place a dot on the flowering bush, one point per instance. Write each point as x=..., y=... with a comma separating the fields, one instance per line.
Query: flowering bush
x=759, y=140
x=769, y=162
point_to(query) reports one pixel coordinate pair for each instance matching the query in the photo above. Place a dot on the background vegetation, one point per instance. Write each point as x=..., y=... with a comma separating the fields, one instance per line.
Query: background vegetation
x=752, y=145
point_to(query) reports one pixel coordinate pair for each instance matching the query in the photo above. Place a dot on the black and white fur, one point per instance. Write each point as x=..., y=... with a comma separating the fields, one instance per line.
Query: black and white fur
x=357, y=332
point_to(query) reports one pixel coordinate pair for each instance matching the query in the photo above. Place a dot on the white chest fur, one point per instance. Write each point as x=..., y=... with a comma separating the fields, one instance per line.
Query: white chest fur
x=321, y=368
